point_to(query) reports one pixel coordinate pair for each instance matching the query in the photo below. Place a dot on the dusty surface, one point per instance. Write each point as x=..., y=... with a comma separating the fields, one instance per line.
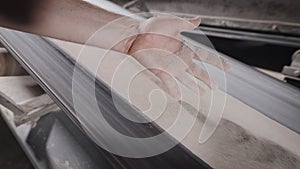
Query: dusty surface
x=244, y=138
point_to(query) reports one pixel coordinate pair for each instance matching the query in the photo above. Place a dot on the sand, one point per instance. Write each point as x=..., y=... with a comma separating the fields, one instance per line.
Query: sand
x=245, y=138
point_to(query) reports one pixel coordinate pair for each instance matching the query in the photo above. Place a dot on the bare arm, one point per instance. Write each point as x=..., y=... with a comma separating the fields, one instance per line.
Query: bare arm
x=71, y=20
x=150, y=42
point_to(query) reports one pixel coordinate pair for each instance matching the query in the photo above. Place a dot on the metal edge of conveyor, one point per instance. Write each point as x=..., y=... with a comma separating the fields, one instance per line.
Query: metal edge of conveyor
x=283, y=40
x=44, y=61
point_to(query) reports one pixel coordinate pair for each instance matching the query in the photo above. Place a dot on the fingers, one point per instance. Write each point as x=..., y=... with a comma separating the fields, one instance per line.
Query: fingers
x=218, y=62
x=203, y=76
x=195, y=21
x=173, y=88
x=185, y=54
x=170, y=83
x=191, y=83
x=213, y=59
x=191, y=52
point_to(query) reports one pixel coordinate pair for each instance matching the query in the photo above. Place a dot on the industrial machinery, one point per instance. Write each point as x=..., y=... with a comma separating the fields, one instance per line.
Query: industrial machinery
x=262, y=110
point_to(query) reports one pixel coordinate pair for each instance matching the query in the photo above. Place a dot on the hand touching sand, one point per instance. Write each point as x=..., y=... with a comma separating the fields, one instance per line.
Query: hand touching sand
x=160, y=49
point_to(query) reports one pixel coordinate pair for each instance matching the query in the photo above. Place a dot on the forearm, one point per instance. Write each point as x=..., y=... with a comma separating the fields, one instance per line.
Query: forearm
x=71, y=20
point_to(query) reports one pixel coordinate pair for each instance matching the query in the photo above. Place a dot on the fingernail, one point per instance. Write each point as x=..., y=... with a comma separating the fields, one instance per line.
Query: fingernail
x=226, y=66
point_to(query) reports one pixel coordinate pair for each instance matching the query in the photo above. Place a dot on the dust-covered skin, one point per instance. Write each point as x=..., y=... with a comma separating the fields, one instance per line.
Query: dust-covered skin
x=160, y=49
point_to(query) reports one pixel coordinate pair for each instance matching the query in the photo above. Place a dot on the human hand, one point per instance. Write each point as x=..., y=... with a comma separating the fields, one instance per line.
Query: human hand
x=158, y=47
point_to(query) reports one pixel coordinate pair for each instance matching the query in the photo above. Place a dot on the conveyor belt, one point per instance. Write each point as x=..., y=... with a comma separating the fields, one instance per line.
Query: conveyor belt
x=271, y=97
x=53, y=69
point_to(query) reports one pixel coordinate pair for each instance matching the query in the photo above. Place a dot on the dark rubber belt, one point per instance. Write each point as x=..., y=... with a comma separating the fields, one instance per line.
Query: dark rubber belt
x=53, y=70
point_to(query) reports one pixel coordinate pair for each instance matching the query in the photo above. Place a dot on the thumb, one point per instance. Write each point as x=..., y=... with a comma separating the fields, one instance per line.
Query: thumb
x=195, y=21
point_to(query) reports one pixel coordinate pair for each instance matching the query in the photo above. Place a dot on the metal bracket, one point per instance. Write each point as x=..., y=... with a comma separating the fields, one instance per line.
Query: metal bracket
x=11, y=105
x=30, y=110
x=294, y=69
